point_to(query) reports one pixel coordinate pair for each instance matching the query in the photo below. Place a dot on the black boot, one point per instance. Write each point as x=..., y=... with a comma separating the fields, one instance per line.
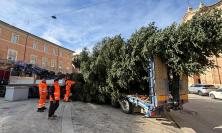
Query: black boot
x=40, y=110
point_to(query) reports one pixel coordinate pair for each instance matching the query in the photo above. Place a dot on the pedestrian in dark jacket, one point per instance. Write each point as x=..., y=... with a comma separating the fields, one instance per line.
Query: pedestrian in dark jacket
x=54, y=93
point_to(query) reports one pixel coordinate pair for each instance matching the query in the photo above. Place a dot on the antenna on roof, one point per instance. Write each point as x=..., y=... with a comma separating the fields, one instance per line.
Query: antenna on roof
x=201, y=4
x=189, y=6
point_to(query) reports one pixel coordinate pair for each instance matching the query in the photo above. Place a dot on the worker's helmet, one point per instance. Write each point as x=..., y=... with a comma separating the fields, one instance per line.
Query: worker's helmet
x=56, y=80
x=68, y=77
x=43, y=80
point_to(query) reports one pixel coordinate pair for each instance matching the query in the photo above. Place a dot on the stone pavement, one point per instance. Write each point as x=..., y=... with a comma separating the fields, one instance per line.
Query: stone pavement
x=201, y=115
x=77, y=117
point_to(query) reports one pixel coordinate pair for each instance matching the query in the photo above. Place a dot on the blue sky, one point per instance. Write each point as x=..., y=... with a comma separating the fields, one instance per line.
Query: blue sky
x=82, y=23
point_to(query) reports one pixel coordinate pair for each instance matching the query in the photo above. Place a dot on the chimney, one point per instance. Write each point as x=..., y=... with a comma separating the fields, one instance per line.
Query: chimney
x=189, y=9
x=201, y=5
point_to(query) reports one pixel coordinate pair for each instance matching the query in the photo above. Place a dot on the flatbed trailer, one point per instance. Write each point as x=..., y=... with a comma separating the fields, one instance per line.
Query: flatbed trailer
x=31, y=85
x=160, y=96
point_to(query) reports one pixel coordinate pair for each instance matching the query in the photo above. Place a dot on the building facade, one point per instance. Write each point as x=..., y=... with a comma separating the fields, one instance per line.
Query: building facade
x=19, y=45
x=211, y=76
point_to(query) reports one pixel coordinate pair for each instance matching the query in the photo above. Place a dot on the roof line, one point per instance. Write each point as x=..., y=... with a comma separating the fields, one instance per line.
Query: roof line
x=215, y=4
x=28, y=33
x=206, y=7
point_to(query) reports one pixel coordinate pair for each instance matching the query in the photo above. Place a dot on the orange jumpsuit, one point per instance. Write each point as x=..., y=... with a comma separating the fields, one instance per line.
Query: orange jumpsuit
x=42, y=94
x=68, y=90
x=56, y=92
x=54, y=98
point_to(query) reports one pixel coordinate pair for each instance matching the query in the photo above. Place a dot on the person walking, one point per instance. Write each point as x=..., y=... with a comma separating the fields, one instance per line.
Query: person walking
x=68, y=89
x=54, y=93
x=42, y=95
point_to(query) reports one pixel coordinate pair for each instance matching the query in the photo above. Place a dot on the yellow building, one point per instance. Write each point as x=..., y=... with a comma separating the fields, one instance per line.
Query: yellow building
x=211, y=76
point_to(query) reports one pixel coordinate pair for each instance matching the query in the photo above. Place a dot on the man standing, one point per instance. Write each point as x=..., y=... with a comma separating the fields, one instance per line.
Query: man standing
x=68, y=89
x=42, y=95
x=54, y=93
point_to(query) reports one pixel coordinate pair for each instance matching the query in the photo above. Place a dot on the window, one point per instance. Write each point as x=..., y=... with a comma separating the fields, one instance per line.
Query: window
x=60, y=53
x=219, y=90
x=0, y=31
x=198, y=86
x=193, y=85
x=60, y=64
x=33, y=59
x=44, y=61
x=71, y=56
x=12, y=55
x=14, y=38
x=53, y=51
x=53, y=63
x=208, y=86
x=45, y=48
x=35, y=45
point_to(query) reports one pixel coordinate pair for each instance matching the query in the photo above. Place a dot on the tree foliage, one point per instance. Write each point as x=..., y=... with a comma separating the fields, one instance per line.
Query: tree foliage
x=118, y=66
x=188, y=47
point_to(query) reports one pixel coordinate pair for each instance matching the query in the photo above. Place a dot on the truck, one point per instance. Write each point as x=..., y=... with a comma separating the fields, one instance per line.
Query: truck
x=20, y=73
x=164, y=93
x=21, y=88
x=4, y=79
x=4, y=75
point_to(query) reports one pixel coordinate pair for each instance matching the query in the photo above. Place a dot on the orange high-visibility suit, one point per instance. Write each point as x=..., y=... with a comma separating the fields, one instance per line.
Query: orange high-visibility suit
x=42, y=94
x=54, y=98
x=56, y=92
x=68, y=90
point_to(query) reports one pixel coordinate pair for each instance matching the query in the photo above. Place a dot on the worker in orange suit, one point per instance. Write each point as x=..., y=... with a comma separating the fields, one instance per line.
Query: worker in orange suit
x=68, y=89
x=54, y=93
x=42, y=95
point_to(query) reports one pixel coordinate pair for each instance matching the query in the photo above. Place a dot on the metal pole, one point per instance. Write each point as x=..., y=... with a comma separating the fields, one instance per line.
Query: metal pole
x=26, y=41
x=218, y=71
x=58, y=60
x=151, y=80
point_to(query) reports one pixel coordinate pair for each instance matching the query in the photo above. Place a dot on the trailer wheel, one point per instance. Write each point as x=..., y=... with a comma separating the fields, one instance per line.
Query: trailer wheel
x=126, y=106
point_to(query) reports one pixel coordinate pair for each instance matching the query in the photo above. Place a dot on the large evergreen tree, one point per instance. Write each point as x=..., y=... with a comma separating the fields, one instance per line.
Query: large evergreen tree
x=117, y=66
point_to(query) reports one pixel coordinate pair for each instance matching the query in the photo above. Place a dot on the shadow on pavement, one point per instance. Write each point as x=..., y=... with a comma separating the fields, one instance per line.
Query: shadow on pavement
x=200, y=115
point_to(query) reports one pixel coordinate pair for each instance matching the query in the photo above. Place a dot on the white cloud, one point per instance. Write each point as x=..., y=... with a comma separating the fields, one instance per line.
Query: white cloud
x=76, y=28
x=52, y=39
x=78, y=50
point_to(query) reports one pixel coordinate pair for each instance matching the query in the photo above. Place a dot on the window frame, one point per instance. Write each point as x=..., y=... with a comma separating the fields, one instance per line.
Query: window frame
x=60, y=53
x=44, y=62
x=53, y=63
x=13, y=38
x=46, y=48
x=0, y=31
x=54, y=51
x=35, y=44
x=60, y=65
x=219, y=90
x=16, y=53
x=36, y=58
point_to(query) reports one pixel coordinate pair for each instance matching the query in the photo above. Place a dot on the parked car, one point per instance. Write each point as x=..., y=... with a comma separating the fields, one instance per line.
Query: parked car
x=216, y=94
x=201, y=89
